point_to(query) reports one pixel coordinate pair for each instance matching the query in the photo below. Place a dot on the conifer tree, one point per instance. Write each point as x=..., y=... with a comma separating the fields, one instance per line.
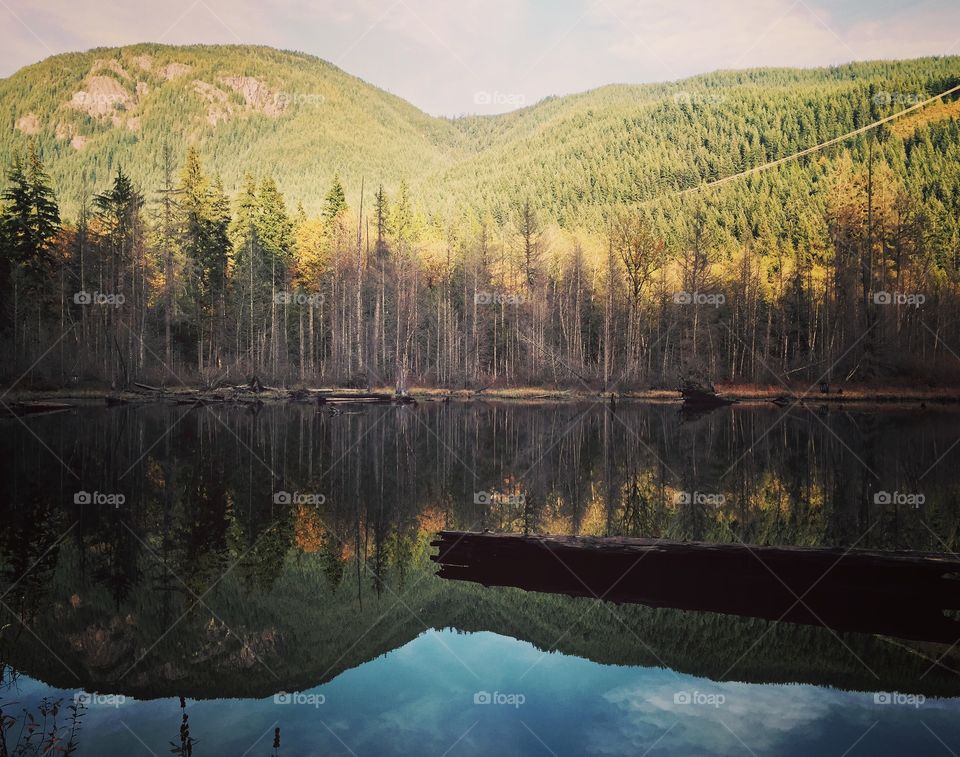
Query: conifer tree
x=335, y=201
x=29, y=224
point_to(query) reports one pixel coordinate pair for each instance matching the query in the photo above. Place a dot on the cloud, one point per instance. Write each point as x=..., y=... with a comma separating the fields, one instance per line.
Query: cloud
x=687, y=36
x=764, y=721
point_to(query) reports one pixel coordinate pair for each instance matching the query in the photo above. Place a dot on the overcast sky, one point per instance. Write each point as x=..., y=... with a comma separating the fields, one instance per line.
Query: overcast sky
x=451, y=57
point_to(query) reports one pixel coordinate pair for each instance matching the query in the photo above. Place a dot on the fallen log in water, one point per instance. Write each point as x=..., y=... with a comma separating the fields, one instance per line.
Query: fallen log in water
x=902, y=594
x=202, y=400
x=374, y=398
x=34, y=408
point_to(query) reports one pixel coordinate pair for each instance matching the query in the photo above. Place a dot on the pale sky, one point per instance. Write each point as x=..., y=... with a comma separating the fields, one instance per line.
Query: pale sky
x=451, y=57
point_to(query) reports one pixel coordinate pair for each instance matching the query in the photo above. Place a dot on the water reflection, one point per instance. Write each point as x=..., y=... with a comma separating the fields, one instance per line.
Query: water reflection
x=905, y=595
x=251, y=554
x=420, y=700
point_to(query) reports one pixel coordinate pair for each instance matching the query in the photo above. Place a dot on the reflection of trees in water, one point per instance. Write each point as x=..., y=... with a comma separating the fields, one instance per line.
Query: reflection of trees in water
x=31, y=540
x=201, y=499
x=200, y=513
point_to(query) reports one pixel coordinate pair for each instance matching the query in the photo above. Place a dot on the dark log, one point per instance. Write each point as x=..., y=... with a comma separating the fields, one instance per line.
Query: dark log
x=902, y=594
x=202, y=399
x=326, y=397
x=702, y=395
x=34, y=408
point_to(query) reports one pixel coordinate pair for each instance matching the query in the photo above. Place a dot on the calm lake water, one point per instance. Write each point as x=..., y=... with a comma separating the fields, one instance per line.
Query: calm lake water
x=272, y=570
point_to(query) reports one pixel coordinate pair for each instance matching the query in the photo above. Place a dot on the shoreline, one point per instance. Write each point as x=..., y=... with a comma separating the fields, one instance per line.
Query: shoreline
x=741, y=393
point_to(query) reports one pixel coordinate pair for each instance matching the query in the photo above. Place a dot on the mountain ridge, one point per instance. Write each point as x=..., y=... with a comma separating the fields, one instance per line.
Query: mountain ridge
x=252, y=107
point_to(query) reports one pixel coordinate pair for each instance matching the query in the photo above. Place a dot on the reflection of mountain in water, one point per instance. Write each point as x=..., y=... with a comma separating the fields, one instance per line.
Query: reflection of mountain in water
x=301, y=633
x=311, y=591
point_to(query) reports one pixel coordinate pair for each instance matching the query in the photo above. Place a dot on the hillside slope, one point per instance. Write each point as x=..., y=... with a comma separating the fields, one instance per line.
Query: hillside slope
x=246, y=108
x=302, y=119
x=625, y=144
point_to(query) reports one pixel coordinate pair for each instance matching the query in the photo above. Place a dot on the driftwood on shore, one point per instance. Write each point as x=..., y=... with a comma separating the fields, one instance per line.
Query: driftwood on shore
x=253, y=392
x=148, y=388
x=901, y=594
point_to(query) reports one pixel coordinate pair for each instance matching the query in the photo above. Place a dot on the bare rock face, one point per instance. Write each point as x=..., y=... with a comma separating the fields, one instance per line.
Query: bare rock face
x=173, y=70
x=29, y=123
x=256, y=94
x=209, y=92
x=110, y=64
x=101, y=96
x=219, y=107
x=257, y=97
x=144, y=62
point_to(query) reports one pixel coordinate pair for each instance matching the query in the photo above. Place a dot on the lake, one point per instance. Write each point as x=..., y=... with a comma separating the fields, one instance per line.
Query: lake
x=260, y=569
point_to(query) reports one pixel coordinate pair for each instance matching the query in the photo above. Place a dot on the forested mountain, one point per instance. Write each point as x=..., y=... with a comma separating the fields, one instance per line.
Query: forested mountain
x=247, y=109
x=302, y=120
x=264, y=212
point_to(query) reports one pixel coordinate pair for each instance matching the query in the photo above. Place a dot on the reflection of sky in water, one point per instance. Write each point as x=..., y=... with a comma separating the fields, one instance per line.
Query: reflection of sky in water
x=419, y=700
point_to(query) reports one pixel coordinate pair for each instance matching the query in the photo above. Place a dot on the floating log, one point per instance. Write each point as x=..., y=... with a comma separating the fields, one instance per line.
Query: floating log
x=901, y=594
x=206, y=399
x=34, y=408
x=364, y=398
